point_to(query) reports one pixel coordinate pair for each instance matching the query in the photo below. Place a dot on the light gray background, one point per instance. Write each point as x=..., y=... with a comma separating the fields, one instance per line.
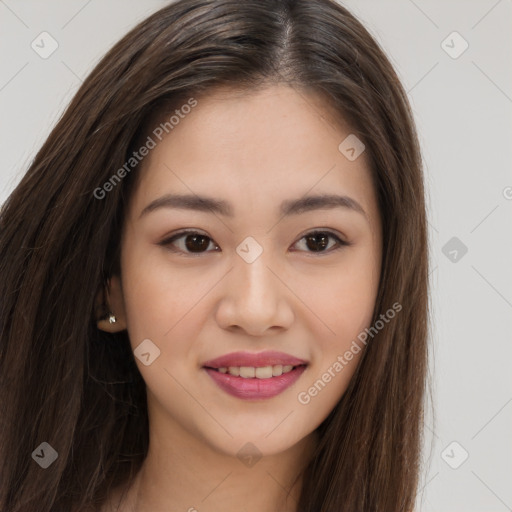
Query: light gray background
x=463, y=112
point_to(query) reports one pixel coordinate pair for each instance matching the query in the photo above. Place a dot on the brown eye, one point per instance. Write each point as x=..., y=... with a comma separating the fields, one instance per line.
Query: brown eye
x=188, y=242
x=320, y=242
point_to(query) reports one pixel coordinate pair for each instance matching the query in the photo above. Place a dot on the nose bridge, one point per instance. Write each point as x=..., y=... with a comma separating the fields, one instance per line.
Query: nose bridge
x=254, y=298
x=256, y=284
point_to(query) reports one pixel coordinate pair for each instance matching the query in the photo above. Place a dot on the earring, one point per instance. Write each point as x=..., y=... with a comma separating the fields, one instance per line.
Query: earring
x=112, y=319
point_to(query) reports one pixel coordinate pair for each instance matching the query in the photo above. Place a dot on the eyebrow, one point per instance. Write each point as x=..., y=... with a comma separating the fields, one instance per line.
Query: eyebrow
x=288, y=207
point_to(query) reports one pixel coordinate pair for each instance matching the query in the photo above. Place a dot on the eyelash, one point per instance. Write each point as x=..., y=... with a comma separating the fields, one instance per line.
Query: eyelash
x=167, y=243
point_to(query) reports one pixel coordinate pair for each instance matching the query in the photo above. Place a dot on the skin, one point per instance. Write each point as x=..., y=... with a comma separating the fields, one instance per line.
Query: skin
x=253, y=150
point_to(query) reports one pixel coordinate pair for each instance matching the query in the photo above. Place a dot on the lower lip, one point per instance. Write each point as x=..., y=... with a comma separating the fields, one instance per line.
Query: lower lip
x=255, y=389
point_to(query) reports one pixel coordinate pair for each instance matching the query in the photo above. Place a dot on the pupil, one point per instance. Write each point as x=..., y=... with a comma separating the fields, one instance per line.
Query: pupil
x=191, y=247
x=322, y=244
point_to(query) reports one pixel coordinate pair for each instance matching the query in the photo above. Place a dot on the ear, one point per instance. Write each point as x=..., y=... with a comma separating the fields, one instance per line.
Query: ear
x=110, y=300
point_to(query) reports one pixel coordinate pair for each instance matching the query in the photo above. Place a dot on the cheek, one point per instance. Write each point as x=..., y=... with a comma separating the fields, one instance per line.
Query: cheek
x=157, y=301
x=342, y=294
x=343, y=310
x=163, y=307
x=343, y=299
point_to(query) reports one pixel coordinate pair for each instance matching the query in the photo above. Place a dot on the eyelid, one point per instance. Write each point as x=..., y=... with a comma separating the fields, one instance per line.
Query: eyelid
x=334, y=233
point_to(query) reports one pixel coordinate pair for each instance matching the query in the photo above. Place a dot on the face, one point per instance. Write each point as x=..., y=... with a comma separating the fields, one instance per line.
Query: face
x=254, y=276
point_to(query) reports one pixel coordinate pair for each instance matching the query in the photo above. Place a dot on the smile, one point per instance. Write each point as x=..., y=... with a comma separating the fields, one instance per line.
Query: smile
x=260, y=372
x=255, y=383
x=255, y=375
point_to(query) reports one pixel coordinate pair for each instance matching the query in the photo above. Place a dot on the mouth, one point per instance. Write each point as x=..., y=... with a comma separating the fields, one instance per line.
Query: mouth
x=256, y=372
x=246, y=361
x=255, y=376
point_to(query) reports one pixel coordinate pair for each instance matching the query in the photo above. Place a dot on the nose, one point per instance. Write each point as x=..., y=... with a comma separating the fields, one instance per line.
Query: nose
x=254, y=298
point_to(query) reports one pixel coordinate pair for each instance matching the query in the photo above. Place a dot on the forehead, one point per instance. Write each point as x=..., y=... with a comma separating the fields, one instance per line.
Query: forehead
x=255, y=146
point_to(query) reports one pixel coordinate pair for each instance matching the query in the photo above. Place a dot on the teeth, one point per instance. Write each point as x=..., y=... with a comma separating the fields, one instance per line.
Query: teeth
x=277, y=370
x=263, y=372
x=247, y=372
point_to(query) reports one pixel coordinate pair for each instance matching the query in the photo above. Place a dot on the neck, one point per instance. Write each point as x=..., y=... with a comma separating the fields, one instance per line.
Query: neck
x=182, y=472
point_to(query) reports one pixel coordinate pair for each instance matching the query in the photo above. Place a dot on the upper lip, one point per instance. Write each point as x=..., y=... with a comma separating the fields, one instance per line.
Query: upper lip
x=267, y=358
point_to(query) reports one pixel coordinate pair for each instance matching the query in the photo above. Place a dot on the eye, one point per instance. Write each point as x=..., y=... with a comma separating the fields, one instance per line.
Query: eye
x=194, y=242
x=318, y=241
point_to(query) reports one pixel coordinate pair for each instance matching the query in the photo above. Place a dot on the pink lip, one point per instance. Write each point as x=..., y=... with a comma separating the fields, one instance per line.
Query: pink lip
x=254, y=389
x=267, y=358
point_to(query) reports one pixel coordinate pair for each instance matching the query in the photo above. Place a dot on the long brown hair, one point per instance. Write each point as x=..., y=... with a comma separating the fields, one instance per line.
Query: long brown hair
x=67, y=383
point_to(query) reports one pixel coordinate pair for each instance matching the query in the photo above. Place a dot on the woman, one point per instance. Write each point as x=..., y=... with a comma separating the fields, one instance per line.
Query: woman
x=214, y=275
